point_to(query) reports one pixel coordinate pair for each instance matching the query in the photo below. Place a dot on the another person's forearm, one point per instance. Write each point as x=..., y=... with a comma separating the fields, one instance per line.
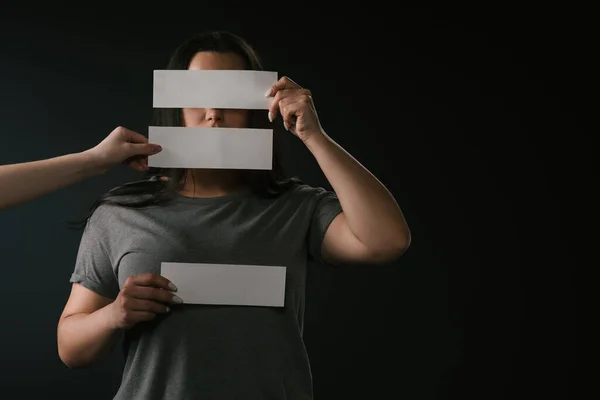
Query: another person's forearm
x=23, y=182
x=84, y=339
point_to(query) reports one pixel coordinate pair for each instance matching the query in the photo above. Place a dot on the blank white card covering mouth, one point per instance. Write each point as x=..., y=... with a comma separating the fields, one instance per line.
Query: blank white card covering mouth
x=223, y=148
x=226, y=148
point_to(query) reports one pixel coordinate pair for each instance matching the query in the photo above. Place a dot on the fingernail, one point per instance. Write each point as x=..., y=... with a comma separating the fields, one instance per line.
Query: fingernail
x=269, y=92
x=270, y=116
x=172, y=287
x=177, y=299
x=168, y=309
x=286, y=126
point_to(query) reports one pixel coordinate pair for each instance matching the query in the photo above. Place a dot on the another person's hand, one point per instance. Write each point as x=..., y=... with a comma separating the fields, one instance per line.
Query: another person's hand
x=141, y=299
x=123, y=146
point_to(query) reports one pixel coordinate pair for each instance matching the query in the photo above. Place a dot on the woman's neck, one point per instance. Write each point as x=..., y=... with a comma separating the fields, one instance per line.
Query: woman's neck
x=210, y=182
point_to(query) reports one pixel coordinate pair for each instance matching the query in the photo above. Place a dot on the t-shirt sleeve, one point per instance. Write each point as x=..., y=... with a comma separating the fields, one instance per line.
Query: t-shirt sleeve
x=93, y=266
x=327, y=208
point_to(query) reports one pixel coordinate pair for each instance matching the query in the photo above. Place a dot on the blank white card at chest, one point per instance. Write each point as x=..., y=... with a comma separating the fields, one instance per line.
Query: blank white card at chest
x=227, y=284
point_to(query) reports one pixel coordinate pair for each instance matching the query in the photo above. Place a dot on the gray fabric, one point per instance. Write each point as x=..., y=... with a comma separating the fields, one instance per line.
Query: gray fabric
x=202, y=351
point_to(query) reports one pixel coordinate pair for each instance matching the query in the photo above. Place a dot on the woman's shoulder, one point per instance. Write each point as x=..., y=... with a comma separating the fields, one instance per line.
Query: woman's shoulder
x=106, y=213
x=119, y=208
x=303, y=192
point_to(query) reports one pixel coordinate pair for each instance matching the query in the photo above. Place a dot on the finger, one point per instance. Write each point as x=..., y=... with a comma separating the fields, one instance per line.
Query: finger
x=290, y=113
x=150, y=293
x=283, y=83
x=287, y=95
x=303, y=96
x=152, y=280
x=274, y=107
x=143, y=149
x=148, y=306
x=131, y=136
x=138, y=163
x=139, y=316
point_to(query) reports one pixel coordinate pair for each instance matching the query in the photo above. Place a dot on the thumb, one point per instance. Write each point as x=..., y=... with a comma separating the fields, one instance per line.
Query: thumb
x=144, y=149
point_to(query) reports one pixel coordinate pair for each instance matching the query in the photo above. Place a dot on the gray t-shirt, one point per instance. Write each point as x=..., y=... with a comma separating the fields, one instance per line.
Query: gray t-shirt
x=206, y=351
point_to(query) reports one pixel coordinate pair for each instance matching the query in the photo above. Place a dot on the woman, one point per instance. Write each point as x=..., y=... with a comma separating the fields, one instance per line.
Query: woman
x=176, y=351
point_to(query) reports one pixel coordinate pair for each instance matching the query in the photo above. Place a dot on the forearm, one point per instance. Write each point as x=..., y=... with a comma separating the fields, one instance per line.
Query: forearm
x=86, y=338
x=26, y=181
x=372, y=213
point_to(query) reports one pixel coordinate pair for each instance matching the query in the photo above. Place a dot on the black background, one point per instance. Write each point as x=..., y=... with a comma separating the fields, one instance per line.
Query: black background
x=465, y=114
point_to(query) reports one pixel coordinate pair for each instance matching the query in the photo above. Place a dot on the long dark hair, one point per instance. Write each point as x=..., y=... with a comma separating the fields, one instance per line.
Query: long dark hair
x=151, y=190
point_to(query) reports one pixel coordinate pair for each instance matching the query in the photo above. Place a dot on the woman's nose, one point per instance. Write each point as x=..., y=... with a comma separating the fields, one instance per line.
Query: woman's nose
x=214, y=115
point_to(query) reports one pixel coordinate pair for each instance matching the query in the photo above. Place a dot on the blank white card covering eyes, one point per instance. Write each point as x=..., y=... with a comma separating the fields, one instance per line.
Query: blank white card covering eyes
x=234, y=89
